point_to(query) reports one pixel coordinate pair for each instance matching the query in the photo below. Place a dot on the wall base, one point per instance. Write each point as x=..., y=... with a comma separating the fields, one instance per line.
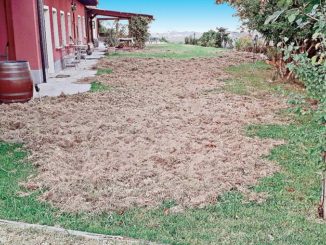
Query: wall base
x=37, y=76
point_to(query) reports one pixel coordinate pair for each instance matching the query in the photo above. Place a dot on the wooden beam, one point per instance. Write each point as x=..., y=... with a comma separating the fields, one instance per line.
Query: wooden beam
x=104, y=19
x=121, y=15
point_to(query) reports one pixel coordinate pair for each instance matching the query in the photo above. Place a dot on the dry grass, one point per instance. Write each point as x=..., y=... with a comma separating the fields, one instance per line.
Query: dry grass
x=156, y=136
x=31, y=235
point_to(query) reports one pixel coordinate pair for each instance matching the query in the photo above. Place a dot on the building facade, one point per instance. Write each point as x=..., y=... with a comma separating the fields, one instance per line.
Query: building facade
x=43, y=32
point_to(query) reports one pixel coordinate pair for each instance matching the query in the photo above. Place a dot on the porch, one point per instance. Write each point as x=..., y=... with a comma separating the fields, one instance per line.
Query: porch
x=66, y=81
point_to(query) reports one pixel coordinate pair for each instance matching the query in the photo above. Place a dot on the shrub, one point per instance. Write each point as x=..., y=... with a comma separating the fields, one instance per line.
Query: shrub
x=244, y=44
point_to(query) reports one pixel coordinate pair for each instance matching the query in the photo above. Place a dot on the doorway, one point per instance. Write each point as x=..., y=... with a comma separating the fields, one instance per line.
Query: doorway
x=80, y=31
x=48, y=37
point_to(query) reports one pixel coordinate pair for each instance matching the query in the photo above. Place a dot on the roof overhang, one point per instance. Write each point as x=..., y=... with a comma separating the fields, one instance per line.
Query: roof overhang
x=89, y=2
x=119, y=15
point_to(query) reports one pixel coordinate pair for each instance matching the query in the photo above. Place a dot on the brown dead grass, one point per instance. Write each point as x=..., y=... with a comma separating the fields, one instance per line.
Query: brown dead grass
x=158, y=135
x=38, y=235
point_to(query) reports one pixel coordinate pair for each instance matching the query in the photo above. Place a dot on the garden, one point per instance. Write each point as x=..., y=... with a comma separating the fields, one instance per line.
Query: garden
x=182, y=144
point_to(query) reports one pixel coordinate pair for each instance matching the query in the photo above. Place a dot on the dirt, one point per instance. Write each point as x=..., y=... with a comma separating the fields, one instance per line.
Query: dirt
x=159, y=134
x=11, y=235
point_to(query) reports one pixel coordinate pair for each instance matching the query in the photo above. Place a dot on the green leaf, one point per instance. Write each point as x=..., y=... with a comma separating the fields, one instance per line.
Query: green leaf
x=293, y=17
x=274, y=16
x=314, y=59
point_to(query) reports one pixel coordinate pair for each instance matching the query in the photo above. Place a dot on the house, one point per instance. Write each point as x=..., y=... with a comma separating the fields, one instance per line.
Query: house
x=44, y=32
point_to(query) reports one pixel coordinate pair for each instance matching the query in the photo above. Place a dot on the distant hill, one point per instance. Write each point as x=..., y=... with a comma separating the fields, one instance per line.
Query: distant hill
x=175, y=36
x=179, y=37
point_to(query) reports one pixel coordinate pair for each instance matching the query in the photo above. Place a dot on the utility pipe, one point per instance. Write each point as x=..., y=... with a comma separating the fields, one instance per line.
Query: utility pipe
x=40, y=12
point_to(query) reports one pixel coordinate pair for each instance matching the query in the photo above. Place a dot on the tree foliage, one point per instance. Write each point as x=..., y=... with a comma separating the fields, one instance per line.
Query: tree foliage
x=211, y=39
x=216, y=39
x=191, y=40
x=255, y=14
x=139, y=29
x=298, y=28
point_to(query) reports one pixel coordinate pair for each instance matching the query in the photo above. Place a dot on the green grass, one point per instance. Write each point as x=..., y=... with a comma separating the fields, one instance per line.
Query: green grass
x=287, y=217
x=170, y=51
x=257, y=79
x=97, y=87
x=104, y=71
x=249, y=79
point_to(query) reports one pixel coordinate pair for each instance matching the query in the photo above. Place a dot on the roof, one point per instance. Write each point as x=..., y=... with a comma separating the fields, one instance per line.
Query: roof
x=116, y=14
x=89, y=2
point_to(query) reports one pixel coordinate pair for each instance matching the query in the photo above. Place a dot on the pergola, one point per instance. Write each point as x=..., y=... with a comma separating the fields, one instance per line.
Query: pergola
x=89, y=2
x=111, y=15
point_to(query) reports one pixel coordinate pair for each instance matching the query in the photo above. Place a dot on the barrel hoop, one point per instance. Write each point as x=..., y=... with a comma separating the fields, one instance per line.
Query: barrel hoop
x=11, y=64
x=14, y=78
x=13, y=71
x=9, y=101
x=14, y=67
x=14, y=94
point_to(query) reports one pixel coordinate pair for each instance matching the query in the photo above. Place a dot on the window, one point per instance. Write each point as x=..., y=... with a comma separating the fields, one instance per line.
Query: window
x=63, y=28
x=55, y=28
x=69, y=28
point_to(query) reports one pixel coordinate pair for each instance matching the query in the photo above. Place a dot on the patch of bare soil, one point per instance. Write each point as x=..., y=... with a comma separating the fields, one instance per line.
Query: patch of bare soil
x=12, y=235
x=158, y=135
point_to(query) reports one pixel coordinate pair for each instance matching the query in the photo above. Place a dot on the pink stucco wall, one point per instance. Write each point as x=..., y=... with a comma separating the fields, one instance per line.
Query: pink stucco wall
x=22, y=33
x=25, y=32
x=65, y=6
x=3, y=28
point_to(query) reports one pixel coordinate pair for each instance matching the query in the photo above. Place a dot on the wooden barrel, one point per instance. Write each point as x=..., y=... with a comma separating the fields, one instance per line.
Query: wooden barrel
x=16, y=83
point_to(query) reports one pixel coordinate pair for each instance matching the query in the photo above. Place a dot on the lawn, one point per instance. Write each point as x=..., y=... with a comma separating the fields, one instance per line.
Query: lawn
x=287, y=216
x=170, y=51
x=99, y=87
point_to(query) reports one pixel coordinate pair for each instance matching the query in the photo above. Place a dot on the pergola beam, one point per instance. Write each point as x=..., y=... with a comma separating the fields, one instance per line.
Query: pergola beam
x=93, y=12
x=112, y=18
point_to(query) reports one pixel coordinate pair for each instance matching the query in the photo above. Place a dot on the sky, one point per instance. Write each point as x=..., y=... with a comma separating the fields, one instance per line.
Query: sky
x=179, y=15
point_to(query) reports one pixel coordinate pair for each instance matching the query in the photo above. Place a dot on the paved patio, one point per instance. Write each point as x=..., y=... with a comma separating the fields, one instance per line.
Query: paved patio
x=67, y=85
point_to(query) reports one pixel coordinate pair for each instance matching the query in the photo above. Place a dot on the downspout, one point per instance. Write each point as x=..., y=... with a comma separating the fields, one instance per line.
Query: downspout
x=87, y=21
x=41, y=34
x=74, y=21
x=11, y=52
x=6, y=20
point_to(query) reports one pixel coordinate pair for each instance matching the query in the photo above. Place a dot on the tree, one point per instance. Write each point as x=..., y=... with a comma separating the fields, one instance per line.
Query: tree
x=255, y=13
x=224, y=36
x=211, y=39
x=138, y=29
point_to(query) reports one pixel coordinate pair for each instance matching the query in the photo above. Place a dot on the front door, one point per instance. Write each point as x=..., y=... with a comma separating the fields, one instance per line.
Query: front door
x=48, y=36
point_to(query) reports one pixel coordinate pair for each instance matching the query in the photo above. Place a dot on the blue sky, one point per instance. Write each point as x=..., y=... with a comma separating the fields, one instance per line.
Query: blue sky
x=179, y=15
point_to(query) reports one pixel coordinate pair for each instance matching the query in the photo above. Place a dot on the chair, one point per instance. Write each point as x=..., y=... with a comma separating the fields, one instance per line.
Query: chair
x=69, y=59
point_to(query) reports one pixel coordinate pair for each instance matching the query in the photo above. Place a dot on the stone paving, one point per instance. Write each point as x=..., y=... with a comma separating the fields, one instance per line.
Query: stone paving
x=67, y=85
